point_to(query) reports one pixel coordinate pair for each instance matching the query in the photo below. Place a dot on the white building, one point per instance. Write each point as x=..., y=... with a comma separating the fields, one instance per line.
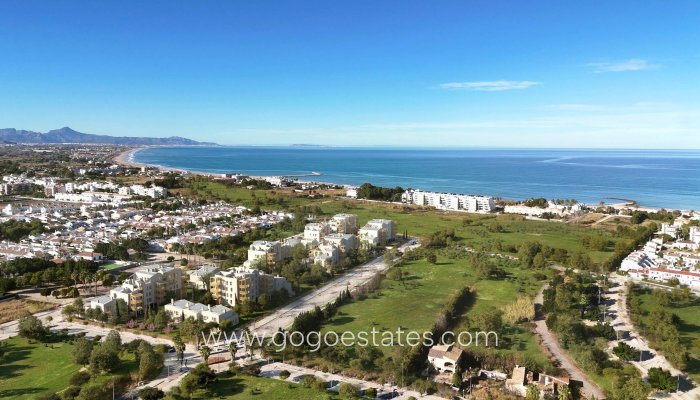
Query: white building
x=377, y=232
x=449, y=201
x=315, y=232
x=444, y=358
x=180, y=310
x=270, y=251
x=106, y=303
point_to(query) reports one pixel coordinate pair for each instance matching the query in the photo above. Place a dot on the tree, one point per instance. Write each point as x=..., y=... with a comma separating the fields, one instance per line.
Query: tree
x=532, y=393
x=150, y=393
x=565, y=393
x=632, y=389
x=205, y=352
x=347, y=390
x=104, y=358
x=457, y=377
x=431, y=258
x=179, y=347
x=82, y=350
x=31, y=327
x=661, y=379
x=150, y=363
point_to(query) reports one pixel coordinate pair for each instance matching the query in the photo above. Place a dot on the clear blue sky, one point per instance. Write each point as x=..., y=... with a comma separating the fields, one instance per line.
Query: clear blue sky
x=488, y=73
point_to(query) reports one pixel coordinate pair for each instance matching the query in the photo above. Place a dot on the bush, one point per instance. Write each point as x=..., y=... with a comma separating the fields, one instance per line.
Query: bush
x=79, y=378
x=71, y=392
x=284, y=374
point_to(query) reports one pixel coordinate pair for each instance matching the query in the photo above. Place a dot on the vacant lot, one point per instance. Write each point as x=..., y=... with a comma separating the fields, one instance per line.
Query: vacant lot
x=477, y=230
x=415, y=303
x=11, y=310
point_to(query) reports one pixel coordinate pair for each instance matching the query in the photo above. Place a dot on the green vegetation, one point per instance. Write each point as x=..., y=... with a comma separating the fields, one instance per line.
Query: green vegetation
x=670, y=320
x=14, y=230
x=247, y=387
x=371, y=192
x=30, y=368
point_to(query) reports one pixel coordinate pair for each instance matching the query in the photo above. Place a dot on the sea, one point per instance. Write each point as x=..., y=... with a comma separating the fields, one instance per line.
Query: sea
x=654, y=178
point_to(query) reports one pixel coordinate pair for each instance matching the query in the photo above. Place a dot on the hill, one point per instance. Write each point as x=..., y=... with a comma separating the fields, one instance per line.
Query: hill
x=68, y=135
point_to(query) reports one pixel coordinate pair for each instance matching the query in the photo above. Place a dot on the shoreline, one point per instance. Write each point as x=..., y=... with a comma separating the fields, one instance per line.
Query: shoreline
x=127, y=158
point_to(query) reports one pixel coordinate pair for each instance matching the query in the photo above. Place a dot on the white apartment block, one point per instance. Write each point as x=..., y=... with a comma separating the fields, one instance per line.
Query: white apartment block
x=449, y=201
x=181, y=310
x=669, y=229
x=377, y=232
x=241, y=283
x=315, y=232
x=326, y=255
x=695, y=234
x=344, y=242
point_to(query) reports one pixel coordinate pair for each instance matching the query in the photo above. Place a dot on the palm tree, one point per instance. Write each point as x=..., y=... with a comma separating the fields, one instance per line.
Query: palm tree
x=179, y=348
x=205, y=352
x=233, y=348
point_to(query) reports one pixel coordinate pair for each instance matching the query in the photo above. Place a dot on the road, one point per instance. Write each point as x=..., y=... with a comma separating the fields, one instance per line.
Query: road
x=566, y=362
x=621, y=321
x=283, y=317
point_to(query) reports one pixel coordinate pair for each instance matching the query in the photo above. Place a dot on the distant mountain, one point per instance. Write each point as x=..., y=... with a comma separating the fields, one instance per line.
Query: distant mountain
x=68, y=135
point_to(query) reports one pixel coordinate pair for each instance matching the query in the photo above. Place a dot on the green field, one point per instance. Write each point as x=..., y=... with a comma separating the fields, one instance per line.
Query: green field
x=29, y=370
x=689, y=327
x=32, y=369
x=476, y=229
x=242, y=387
x=415, y=303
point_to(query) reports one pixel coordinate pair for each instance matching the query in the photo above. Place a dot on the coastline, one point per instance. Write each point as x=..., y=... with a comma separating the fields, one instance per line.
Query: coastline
x=127, y=159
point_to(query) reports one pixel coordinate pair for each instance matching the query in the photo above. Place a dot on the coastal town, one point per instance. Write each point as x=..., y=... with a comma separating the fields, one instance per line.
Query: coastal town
x=153, y=261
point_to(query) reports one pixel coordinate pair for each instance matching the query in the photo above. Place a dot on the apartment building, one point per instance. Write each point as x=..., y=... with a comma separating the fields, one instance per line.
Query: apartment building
x=180, y=310
x=149, y=286
x=270, y=251
x=243, y=283
x=377, y=232
x=449, y=201
x=315, y=232
x=343, y=223
x=196, y=278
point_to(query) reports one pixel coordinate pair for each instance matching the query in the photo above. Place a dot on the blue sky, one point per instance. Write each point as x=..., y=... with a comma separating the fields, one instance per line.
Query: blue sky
x=410, y=73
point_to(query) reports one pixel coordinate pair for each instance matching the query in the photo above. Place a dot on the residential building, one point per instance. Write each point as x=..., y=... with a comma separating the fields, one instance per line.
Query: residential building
x=343, y=223
x=444, y=358
x=377, y=232
x=315, y=232
x=449, y=201
x=270, y=251
x=182, y=309
x=547, y=385
x=196, y=278
x=245, y=284
x=150, y=286
x=106, y=303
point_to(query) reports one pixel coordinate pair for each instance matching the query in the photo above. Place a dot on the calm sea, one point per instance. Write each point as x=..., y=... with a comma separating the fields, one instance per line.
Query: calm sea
x=663, y=178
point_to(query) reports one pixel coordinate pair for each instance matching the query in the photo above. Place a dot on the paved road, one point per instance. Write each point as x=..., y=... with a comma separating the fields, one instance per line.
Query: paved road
x=284, y=317
x=566, y=362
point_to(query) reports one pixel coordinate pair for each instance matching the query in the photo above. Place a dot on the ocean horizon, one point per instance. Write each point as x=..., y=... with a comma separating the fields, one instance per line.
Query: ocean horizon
x=653, y=178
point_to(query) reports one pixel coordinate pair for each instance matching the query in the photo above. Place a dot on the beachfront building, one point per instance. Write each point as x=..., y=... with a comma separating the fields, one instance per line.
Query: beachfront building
x=180, y=310
x=245, y=284
x=449, y=201
x=200, y=277
x=377, y=232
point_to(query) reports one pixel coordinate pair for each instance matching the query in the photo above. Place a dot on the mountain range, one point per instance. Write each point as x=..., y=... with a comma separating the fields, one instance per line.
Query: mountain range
x=68, y=135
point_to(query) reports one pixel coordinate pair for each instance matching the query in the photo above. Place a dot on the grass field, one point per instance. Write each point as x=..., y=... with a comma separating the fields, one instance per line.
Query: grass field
x=29, y=370
x=32, y=369
x=476, y=229
x=689, y=328
x=245, y=387
x=415, y=303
